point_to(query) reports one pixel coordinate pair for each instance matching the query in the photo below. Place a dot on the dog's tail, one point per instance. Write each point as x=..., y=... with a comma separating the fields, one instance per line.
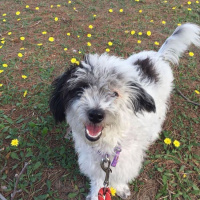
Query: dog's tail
x=179, y=42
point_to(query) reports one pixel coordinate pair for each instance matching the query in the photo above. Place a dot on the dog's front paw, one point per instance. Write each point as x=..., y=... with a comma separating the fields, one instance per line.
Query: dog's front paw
x=124, y=193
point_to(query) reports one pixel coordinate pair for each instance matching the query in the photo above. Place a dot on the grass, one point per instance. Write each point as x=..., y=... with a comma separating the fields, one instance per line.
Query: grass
x=169, y=172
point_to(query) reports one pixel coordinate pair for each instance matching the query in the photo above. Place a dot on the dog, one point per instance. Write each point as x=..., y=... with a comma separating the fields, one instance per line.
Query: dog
x=114, y=103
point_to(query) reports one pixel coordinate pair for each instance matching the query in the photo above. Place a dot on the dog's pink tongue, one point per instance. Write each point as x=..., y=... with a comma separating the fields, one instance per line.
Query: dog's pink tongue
x=93, y=130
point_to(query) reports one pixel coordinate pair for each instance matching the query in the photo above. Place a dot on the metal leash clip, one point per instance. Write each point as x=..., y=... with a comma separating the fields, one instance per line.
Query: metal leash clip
x=105, y=165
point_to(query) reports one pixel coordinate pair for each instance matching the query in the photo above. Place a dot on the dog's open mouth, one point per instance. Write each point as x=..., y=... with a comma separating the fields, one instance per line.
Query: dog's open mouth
x=93, y=132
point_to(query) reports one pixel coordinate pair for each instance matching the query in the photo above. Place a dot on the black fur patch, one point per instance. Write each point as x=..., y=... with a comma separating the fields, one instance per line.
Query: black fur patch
x=141, y=101
x=147, y=70
x=63, y=95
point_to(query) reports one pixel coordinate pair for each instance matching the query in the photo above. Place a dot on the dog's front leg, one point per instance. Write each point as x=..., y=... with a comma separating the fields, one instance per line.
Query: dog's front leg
x=94, y=189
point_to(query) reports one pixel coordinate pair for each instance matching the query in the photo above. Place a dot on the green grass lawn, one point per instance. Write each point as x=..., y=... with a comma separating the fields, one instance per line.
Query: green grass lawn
x=38, y=41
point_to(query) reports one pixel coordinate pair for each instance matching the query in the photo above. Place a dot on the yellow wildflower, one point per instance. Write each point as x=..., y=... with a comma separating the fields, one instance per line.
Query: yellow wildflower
x=44, y=33
x=189, y=9
x=58, y=6
x=189, y=2
x=25, y=93
x=78, y=36
x=197, y=92
x=1, y=84
x=65, y=49
x=110, y=43
x=24, y=76
x=89, y=44
x=167, y=141
x=18, y=19
x=156, y=43
x=1, y=71
x=191, y=54
x=184, y=175
x=90, y=26
x=140, y=11
x=69, y=1
x=112, y=191
x=173, y=8
x=56, y=19
x=4, y=20
x=89, y=35
x=14, y=142
x=2, y=42
x=151, y=21
x=4, y=14
x=94, y=16
x=176, y=143
x=164, y=22
x=73, y=60
x=139, y=33
x=126, y=31
x=51, y=39
x=39, y=44
x=139, y=41
x=197, y=1
x=79, y=52
x=110, y=10
x=107, y=50
x=178, y=24
x=149, y=33
x=68, y=34
x=121, y=10
x=37, y=8
x=27, y=6
x=22, y=38
x=5, y=65
x=22, y=48
x=9, y=33
x=51, y=6
x=132, y=32
x=77, y=62
x=20, y=55
x=17, y=13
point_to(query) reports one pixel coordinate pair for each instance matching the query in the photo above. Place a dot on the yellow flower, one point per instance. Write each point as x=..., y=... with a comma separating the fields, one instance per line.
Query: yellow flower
x=1, y=71
x=68, y=34
x=73, y=60
x=126, y=31
x=9, y=33
x=140, y=33
x=58, y=6
x=1, y=47
x=164, y=22
x=191, y=54
x=4, y=20
x=197, y=1
x=137, y=0
x=37, y=8
x=110, y=10
x=22, y=38
x=79, y=52
x=149, y=33
x=140, y=11
x=27, y=6
x=24, y=76
x=132, y=32
x=1, y=84
x=107, y=50
x=39, y=44
x=173, y=8
x=94, y=16
x=56, y=19
x=167, y=141
x=18, y=19
x=176, y=143
x=165, y=1
x=121, y=10
x=51, y=6
x=4, y=14
x=90, y=26
x=151, y=21
x=197, y=92
x=78, y=36
x=51, y=39
x=20, y=55
x=139, y=41
x=22, y=48
x=77, y=62
x=2, y=42
x=89, y=35
x=189, y=9
x=189, y=2
x=178, y=24
x=156, y=43
x=5, y=65
x=184, y=175
x=44, y=32
x=112, y=191
x=14, y=142
x=65, y=49
x=17, y=13
x=25, y=93
x=89, y=44
x=110, y=43
x=69, y=1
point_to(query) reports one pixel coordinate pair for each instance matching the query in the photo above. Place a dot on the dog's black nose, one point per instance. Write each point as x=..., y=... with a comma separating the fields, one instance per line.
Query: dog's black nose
x=96, y=115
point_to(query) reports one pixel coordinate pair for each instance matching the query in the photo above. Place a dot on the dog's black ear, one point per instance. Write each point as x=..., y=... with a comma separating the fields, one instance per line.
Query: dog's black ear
x=57, y=99
x=141, y=100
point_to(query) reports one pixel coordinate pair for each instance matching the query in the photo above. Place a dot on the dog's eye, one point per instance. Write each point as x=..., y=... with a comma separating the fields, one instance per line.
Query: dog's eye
x=115, y=94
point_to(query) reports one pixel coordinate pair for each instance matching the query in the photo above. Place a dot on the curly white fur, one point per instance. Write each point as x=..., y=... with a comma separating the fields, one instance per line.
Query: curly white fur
x=133, y=118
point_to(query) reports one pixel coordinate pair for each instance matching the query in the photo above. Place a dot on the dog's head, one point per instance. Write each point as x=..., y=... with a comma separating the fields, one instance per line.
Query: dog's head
x=98, y=94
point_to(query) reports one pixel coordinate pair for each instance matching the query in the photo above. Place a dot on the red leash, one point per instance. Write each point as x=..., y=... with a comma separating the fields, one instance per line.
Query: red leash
x=104, y=192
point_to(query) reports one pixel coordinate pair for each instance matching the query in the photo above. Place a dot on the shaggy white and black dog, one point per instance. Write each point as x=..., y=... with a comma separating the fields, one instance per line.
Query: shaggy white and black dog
x=111, y=102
